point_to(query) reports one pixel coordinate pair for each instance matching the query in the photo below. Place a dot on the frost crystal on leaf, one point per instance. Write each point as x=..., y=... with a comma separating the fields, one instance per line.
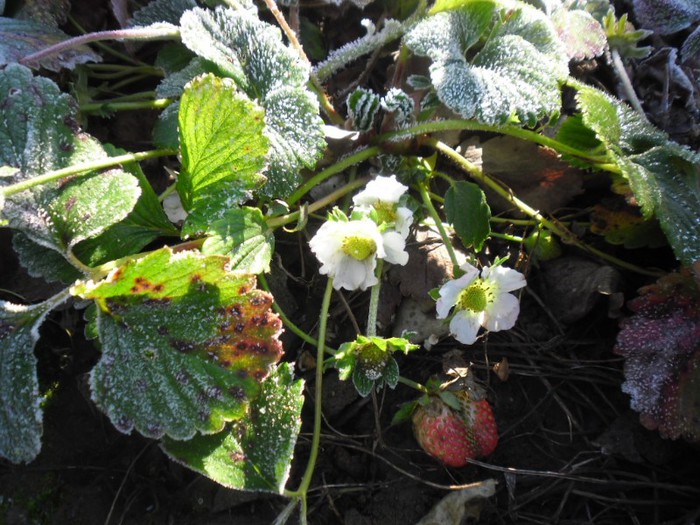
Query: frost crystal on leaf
x=661, y=346
x=515, y=73
x=253, y=54
x=185, y=343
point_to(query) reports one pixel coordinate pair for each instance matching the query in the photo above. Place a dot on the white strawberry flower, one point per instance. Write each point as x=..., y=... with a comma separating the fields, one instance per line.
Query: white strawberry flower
x=348, y=251
x=480, y=300
x=382, y=195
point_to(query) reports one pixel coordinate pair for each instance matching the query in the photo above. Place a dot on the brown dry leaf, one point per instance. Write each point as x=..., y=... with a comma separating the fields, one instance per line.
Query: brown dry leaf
x=460, y=505
x=535, y=174
x=573, y=286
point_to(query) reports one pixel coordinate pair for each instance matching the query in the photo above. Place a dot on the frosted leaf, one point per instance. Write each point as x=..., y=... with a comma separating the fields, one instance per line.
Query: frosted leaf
x=185, y=343
x=43, y=262
x=254, y=453
x=20, y=402
x=515, y=71
x=243, y=235
x=690, y=51
x=351, y=51
x=20, y=38
x=662, y=174
x=363, y=107
x=253, y=54
x=161, y=11
x=223, y=150
x=39, y=133
x=661, y=346
x=399, y=103
x=666, y=16
x=582, y=35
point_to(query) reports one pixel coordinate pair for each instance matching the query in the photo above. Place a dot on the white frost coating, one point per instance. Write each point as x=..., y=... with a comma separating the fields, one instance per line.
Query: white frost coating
x=351, y=51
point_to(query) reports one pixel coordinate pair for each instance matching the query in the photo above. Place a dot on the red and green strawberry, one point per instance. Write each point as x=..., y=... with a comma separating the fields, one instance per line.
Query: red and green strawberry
x=456, y=436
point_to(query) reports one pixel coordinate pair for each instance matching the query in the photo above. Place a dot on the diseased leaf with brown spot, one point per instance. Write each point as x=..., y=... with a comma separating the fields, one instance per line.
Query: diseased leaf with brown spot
x=661, y=345
x=185, y=343
x=255, y=453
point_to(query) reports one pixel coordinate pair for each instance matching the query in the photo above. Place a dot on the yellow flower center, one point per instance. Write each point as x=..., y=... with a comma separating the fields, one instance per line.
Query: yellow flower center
x=359, y=247
x=386, y=212
x=475, y=297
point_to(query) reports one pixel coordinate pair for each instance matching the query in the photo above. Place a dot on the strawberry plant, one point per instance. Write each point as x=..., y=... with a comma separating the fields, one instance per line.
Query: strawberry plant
x=171, y=279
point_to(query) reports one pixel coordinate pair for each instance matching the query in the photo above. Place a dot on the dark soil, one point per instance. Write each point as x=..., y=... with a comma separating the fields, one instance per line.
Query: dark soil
x=571, y=451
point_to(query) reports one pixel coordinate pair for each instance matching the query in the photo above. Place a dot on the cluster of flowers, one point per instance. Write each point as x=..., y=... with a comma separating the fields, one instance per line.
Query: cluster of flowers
x=349, y=247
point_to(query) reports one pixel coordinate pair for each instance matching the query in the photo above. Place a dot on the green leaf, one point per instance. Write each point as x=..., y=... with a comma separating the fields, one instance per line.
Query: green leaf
x=20, y=38
x=223, y=150
x=161, y=11
x=185, y=343
x=663, y=175
x=145, y=223
x=39, y=134
x=20, y=402
x=469, y=213
x=256, y=452
x=243, y=235
x=582, y=35
x=493, y=60
x=43, y=262
x=253, y=54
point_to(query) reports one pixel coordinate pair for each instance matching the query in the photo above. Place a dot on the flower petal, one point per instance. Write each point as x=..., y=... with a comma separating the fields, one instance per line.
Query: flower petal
x=384, y=189
x=502, y=313
x=506, y=279
x=394, y=246
x=352, y=274
x=464, y=326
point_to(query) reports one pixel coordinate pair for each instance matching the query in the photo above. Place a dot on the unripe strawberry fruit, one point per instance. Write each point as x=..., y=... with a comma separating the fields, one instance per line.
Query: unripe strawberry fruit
x=456, y=437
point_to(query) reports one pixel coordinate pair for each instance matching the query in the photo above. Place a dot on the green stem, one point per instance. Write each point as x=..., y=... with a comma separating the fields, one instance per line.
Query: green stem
x=555, y=227
x=513, y=131
x=413, y=384
x=84, y=168
x=93, y=107
x=507, y=237
x=275, y=222
x=318, y=414
x=374, y=301
x=423, y=188
x=288, y=323
x=339, y=166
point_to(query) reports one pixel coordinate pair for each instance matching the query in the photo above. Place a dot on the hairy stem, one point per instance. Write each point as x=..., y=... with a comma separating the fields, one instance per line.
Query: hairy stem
x=423, y=188
x=275, y=222
x=553, y=226
x=140, y=33
x=339, y=166
x=84, y=168
x=513, y=131
x=374, y=301
x=318, y=393
x=96, y=107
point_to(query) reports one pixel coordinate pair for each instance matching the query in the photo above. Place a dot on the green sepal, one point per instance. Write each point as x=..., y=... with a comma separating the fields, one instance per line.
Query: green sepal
x=404, y=412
